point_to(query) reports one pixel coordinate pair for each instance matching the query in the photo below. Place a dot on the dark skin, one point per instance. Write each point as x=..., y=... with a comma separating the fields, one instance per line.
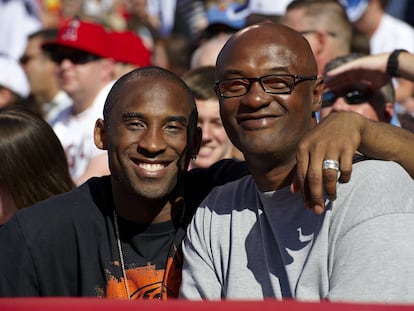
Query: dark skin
x=267, y=128
x=147, y=138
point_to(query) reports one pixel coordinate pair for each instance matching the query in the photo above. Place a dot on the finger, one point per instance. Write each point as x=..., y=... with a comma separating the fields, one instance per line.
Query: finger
x=345, y=166
x=314, y=182
x=302, y=159
x=330, y=178
x=330, y=175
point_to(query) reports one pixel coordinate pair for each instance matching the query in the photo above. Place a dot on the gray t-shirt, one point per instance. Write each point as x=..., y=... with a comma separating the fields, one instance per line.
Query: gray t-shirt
x=246, y=244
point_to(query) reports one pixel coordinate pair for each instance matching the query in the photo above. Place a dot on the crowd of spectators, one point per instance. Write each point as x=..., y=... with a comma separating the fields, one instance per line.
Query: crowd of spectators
x=59, y=60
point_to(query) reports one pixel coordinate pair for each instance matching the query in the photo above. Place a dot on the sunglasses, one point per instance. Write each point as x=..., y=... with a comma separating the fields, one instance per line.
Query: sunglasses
x=75, y=57
x=351, y=98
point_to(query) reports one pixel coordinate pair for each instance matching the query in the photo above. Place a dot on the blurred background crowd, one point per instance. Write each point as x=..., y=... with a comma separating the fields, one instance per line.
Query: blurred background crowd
x=59, y=58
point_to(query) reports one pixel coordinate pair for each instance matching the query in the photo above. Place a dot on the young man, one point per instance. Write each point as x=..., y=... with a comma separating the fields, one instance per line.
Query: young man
x=115, y=236
x=215, y=144
x=252, y=239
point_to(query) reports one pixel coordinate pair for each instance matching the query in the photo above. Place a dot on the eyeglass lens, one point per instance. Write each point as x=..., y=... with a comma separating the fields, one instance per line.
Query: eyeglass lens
x=351, y=98
x=77, y=58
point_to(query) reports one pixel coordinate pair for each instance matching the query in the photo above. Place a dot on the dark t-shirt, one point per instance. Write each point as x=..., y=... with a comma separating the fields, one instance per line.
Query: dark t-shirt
x=66, y=245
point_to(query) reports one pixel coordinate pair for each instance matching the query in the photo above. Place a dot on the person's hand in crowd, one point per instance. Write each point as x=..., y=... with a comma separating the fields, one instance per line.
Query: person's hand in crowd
x=370, y=70
x=336, y=137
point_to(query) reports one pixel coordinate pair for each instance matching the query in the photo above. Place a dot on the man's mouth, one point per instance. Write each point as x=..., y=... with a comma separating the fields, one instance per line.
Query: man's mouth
x=152, y=167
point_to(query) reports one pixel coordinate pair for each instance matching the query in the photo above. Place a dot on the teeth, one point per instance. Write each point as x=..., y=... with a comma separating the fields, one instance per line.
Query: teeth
x=151, y=167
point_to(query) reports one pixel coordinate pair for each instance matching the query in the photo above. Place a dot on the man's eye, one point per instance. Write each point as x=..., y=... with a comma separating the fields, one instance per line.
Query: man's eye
x=275, y=83
x=174, y=129
x=235, y=85
x=135, y=124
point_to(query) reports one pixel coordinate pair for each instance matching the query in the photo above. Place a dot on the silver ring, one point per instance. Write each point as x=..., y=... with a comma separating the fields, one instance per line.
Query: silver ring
x=330, y=164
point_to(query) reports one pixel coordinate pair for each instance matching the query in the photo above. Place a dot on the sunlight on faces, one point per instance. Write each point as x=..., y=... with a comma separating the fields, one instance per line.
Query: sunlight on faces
x=147, y=136
x=259, y=122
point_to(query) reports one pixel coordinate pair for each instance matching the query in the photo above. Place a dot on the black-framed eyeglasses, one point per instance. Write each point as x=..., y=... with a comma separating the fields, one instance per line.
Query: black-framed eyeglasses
x=351, y=98
x=272, y=84
x=75, y=57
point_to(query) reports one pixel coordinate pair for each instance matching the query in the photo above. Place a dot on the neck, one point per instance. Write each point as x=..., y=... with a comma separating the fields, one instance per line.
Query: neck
x=274, y=177
x=7, y=206
x=47, y=96
x=136, y=208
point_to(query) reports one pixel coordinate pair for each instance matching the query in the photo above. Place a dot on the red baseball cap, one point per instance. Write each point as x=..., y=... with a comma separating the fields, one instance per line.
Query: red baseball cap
x=86, y=36
x=128, y=47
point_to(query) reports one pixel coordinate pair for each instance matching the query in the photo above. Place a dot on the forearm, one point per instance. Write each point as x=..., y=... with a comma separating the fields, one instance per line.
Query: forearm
x=383, y=141
x=406, y=66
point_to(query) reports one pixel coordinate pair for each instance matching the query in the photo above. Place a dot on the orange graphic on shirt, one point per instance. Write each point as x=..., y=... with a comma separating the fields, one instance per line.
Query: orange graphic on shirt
x=146, y=283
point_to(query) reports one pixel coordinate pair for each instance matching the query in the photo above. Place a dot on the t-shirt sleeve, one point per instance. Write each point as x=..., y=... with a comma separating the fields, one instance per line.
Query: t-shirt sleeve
x=373, y=259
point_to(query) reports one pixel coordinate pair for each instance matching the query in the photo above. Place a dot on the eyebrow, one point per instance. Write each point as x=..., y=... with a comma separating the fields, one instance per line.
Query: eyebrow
x=132, y=115
x=284, y=69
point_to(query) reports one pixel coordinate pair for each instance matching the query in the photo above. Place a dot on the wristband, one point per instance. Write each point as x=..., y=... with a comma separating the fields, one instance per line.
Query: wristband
x=392, y=63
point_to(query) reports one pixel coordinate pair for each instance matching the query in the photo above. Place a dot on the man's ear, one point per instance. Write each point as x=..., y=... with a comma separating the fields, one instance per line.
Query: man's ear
x=99, y=134
x=317, y=93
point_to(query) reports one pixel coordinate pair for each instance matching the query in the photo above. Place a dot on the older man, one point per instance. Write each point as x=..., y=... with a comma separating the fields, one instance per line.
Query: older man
x=252, y=239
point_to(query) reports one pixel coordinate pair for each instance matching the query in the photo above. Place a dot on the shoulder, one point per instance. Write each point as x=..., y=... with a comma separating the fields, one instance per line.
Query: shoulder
x=377, y=188
x=84, y=204
x=381, y=170
x=376, y=178
x=233, y=196
x=199, y=182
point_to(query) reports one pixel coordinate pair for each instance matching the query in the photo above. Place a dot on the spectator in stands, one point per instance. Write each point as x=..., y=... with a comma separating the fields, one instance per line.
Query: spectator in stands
x=14, y=86
x=206, y=53
x=324, y=24
x=386, y=33
x=45, y=92
x=358, y=96
x=83, y=55
x=375, y=71
x=215, y=144
x=33, y=165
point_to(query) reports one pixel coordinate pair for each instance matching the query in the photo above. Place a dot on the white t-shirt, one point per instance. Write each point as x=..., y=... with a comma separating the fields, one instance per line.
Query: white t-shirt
x=76, y=133
x=52, y=109
x=392, y=34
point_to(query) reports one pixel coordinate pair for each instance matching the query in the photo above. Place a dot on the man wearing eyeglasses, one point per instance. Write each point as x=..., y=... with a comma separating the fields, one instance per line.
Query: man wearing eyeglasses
x=82, y=52
x=253, y=238
x=358, y=96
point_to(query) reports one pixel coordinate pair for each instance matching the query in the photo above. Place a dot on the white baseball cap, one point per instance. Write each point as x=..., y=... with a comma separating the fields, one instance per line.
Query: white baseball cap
x=13, y=77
